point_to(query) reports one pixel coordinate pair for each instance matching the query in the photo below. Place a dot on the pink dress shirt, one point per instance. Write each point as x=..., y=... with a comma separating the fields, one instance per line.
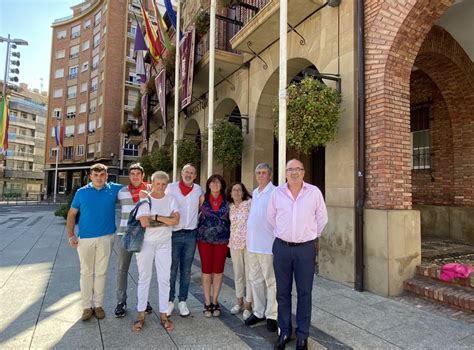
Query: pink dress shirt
x=297, y=220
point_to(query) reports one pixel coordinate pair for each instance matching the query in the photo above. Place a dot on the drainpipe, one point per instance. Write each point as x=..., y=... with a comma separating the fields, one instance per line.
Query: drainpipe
x=360, y=194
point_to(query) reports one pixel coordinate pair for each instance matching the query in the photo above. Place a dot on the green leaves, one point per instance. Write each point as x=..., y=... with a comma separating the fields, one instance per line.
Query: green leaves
x=312, y=114
x=188, y=152
x=228, y=143
x=159, y=159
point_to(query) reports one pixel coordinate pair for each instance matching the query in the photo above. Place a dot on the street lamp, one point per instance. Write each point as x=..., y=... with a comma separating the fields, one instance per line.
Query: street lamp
x=13, y=43
x=57, y=134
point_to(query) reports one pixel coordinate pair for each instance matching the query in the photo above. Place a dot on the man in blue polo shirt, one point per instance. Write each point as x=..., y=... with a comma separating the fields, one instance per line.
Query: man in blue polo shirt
x=96, y=203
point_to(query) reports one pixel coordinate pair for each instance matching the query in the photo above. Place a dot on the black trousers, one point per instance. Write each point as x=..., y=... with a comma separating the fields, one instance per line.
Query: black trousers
x=298, y=262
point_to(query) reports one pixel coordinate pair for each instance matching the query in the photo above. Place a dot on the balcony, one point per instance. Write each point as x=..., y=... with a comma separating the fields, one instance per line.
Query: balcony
x=19, y=155
x=23, y=122
x=263, y=28
x=24, y=174
x=227, y=60
x=21, y=139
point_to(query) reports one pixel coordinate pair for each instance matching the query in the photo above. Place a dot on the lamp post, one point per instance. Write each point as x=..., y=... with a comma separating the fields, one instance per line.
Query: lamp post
x=7, y=61
x=58, y=143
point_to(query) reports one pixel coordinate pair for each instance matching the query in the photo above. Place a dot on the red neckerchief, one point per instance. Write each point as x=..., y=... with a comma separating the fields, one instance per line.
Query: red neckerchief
x=135, y=191
x=185, y=190
x=215, y=202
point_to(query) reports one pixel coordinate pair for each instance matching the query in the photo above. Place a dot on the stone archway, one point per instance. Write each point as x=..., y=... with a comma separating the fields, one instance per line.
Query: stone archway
x=155, y=146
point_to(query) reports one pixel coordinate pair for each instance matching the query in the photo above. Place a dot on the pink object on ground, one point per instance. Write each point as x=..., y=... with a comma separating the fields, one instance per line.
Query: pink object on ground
x=455, y=270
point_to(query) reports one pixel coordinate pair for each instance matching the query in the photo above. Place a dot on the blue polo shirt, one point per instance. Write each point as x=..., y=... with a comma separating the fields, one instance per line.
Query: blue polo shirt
x=97, y=209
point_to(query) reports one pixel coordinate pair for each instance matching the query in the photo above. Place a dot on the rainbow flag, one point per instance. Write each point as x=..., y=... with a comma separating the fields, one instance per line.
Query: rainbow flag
x=4, y=124
x=161, y=30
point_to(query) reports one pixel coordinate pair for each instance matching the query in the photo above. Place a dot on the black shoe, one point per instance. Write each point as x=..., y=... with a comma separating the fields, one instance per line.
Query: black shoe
x=283, y=339
x=120, y=310
x=253, y=320
x=148, y=309
x=272, y=325
x=302, y=344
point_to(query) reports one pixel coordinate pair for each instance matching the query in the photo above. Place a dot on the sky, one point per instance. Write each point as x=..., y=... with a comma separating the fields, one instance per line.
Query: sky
x=31, y=20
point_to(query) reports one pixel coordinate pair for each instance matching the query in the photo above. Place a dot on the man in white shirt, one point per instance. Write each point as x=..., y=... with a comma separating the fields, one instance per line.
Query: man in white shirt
x=187, y=194
x=259, y=246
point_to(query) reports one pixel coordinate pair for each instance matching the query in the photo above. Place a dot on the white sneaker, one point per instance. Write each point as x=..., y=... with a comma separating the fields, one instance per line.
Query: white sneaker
x=235, y=309
x=170, y=308
x=183, y=309
x=246, y=314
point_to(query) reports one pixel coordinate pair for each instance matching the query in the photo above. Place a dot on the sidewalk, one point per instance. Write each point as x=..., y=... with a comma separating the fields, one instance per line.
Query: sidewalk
x=40, y=305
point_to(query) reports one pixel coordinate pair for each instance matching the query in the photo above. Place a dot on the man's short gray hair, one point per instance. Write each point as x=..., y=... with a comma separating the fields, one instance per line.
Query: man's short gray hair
x=262, y=166
x=160, y=175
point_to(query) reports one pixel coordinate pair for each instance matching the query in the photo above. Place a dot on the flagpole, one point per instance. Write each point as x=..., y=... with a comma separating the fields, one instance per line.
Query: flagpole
x=282, y=93
x=57, y=158
x=212, y=45
x=176, y=93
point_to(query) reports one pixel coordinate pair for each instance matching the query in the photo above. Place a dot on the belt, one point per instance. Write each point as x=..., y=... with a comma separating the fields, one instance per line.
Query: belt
x=292, y=244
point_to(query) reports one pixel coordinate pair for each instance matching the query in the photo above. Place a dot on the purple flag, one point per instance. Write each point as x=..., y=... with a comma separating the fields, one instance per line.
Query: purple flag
x=139, y=40
x=187, y=64
x=160, y=84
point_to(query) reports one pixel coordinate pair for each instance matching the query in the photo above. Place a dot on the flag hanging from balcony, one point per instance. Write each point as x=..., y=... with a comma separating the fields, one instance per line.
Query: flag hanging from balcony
x=4, y=125
x=161, y=28
x=186, y=48
x=58, y=135
x=160, y=84
x=151, y=38
x=172, y=15
x=140, y=48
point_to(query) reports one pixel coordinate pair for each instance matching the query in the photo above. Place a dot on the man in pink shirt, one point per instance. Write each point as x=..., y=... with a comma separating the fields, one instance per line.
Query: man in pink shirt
x=298, y=215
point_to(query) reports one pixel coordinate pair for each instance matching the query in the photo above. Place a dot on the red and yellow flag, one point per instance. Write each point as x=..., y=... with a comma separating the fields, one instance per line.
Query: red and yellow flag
x=4, y=124
x=154, y=45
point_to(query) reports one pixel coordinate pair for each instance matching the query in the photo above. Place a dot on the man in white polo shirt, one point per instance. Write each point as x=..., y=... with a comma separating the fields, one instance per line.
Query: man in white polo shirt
x=259, y=246
x=187, y=193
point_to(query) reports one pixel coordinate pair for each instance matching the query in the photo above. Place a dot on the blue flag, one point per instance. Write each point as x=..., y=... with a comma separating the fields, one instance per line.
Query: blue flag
x=172, y=15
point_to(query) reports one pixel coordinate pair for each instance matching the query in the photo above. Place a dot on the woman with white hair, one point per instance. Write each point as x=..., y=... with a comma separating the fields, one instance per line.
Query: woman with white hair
x=158, y=221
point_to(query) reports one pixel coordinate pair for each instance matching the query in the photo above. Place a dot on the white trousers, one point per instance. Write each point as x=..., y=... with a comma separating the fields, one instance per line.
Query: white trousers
x=94, y=256
x=240, y=264
x=161, y=253
x=261, y=276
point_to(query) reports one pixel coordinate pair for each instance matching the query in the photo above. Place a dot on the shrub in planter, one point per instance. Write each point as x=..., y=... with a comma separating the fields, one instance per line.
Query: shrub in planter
x=312, y=114
x=203, y=20
x=150, y=86
x=188, y=152
x=137, y=110
x=228, y=143
x=64, y=209
x=126, y=127
x=169, y=58
x=158, y=159
x=228, y=3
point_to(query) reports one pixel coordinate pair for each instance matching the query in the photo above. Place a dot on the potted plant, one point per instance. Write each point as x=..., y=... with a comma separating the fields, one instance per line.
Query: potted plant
x=228, y=3
x=126, y=127
x=203, y=20
x=169, y=59
x=150, y=86
x=137, y=110
x=312, y=114
x=228, y=143
x=188, y=152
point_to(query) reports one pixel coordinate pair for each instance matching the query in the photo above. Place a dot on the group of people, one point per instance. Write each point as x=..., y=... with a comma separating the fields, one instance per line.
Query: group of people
x=269, y=234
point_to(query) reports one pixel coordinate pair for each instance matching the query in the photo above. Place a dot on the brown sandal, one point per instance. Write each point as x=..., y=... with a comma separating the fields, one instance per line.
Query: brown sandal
x=167, y=324
x=138, y=325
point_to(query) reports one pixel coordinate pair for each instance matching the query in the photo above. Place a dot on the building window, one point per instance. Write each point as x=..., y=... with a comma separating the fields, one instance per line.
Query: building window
x=61, y=34
x=97, y=18
x=71, y=112
x=83, y=87
x=53, y=152
x=72, y=91
x=94, y=84
x=420, y=137
x=74, y=52
x=57, y=113
x=87, y=23
x=130, y=150
x=104, y=30
x=80, y=150
x=85, y=66
x=58, y=93
x=68, y=152
x=75, y=31
x=96, y=40
x=82, y=108
x=99, y=122
x=95, y=62
x=69, y=132
x=73, y=72
x=85, y=45
x=98, y=147
x=60, y=53
x=59, y=73
x=52, y=132
x=81, y=128
x=91, y=126
x=90, y=150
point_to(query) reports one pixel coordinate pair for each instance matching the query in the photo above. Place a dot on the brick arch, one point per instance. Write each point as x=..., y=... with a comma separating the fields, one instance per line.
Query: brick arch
x=395, y=31
x=451, y=70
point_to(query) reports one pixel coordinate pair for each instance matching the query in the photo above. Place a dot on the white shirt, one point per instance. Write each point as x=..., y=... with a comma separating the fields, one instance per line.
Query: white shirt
x=259, y=231
x=165, y=207
x=188, y=206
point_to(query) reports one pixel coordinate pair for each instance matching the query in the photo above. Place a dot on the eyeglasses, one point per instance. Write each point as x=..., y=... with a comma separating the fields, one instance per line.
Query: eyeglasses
x=294, y=170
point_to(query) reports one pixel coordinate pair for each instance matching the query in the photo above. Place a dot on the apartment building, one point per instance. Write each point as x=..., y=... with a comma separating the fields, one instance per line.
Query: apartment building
x=23, y=162
x=93, y=90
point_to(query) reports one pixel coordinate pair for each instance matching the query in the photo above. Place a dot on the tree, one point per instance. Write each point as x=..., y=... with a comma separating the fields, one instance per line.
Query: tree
x=188, y=152
x=228, y=143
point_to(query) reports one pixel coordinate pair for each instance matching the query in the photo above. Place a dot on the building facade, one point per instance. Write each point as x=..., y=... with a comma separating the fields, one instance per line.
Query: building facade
x=407, y=93
x=22, y=175
x=93, y=90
